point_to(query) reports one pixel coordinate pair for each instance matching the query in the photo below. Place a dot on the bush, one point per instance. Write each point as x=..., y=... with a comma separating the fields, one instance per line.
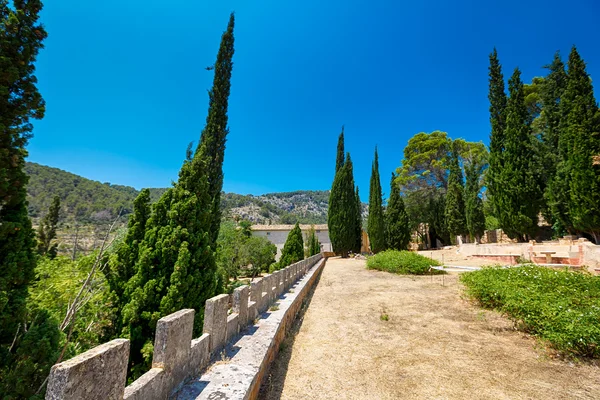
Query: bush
x=561, y=307
x=403, y=262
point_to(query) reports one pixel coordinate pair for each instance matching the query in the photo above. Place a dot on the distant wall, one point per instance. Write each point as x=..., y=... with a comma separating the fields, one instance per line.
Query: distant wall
x=100, y=373
x=278, y=238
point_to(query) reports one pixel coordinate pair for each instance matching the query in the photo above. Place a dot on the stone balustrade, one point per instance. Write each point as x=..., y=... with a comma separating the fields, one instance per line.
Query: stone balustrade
x=100, y=373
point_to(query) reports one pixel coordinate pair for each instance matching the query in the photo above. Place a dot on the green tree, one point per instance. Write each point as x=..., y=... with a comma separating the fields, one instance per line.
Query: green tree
x=215, y=132
x=474, y=215
x=293, y=249
x=339, y=159
x=498, y=104
x=579, y=147
x=358, y=223
x=375, y=221
x=518, y=195
x=47, y=230
x=313, y=245
x=397, y=225
x=176, y=266
x=454, y=211
x=260, y=254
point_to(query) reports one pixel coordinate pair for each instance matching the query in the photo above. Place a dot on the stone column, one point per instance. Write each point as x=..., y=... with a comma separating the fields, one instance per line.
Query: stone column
x=215, y=321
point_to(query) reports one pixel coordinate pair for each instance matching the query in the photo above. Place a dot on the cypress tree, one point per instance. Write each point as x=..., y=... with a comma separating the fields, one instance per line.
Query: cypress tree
x=474, y=215
x=397, y=226
x=518, y=194
x=21, y=39
x=339, y=159
x=47, y=230
x=454, y=211
x=498, y=104
x=175, y=266
x=293, y=249
x=375, y=222
x=341, y=215
x=215, y=132
x=579, y=143
x=358, y=224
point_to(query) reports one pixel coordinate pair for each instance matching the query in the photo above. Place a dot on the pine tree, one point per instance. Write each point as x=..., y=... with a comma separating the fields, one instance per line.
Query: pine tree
x=358, y=223
x=341, y=215
x=474, y=215
x=518, y=195
x=498, y=104
x=375, y=222
x=293, y=249
x=339, y=159
x=215, y=132
x=47, y=230
x=397, y=226
x=175, y=266
x=454, y=211
x=579, y=143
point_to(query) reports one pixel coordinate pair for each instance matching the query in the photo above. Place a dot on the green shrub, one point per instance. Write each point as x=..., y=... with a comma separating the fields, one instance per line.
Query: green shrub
x=403, y=262
x=560, y=307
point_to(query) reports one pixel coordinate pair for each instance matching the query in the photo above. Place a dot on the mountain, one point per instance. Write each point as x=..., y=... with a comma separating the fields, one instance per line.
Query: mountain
x=87, y=201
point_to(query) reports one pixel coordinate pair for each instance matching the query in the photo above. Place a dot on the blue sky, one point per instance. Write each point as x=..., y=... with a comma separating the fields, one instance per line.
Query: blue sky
x=126, y=88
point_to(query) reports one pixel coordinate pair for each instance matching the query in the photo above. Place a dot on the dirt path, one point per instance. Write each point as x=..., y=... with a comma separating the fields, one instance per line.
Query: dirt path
x=435, y=345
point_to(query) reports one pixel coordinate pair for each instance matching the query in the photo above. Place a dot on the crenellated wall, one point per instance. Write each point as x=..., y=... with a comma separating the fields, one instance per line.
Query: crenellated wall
x=100, y=373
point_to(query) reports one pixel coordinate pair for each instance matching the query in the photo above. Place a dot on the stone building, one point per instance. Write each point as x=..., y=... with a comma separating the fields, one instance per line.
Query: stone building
x=277, y=234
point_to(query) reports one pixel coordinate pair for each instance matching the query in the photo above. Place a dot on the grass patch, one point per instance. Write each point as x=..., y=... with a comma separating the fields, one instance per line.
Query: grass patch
x=403, y=262
x=274, y=307
x=561, y=307
x=384, y=317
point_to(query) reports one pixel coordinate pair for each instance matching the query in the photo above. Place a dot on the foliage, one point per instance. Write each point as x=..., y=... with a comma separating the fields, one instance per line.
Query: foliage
x=47, y=230
x=454, y=210
x=175, y=266
x=358, y=223
x=474, y=214
x=312, y=243
x=397, y=225
x=376, y=223
x=517, y=195
x=558, y=306
x=339, y=158
x=293, y=249
x=403, y=262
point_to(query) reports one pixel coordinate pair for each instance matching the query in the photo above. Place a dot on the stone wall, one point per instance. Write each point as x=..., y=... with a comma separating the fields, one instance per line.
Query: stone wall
x=100, y=373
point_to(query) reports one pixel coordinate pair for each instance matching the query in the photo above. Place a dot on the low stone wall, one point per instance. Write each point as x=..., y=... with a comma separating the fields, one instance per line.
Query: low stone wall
x=100, y=373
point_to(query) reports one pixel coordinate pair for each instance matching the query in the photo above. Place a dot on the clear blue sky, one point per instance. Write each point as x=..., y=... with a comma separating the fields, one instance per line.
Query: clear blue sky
x=126, y=88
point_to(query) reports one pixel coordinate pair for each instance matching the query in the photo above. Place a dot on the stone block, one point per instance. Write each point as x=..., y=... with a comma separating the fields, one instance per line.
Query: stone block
x=199, y=354
x=97, y=374
x=233, y=326
x=215, y=321
x=151, y=385
x=252, y=312
x=240, y=305
x=172, y=345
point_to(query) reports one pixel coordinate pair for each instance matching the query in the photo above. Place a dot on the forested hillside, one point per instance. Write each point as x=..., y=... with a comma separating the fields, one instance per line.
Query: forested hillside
x=87, y=201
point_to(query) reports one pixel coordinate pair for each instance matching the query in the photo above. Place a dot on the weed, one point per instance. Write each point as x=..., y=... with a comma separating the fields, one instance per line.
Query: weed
x=384, y=317
x=274, y=307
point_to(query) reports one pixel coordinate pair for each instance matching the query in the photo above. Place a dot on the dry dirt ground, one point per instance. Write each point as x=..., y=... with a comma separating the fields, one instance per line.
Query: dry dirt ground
x=435, y=345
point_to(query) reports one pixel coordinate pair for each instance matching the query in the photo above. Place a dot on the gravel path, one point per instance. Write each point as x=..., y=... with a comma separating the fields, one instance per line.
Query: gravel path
x=434, y=345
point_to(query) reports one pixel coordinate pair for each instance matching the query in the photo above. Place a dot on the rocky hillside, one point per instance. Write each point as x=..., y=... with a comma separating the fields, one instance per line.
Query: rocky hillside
x=88, y=201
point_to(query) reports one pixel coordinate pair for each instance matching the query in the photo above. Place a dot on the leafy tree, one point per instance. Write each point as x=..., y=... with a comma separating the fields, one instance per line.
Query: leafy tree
x=375, y=222
x=397, y=225
x=176, y=266
x=47, y=230
x=293, y=249
x=215, y=132
x=260, y=253
x=455, y=206
x=498, y=104
x=579, y=147
x=517, y=194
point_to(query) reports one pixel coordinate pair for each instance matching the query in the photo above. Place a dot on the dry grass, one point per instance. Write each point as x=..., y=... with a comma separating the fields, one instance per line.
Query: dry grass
x=434, y=345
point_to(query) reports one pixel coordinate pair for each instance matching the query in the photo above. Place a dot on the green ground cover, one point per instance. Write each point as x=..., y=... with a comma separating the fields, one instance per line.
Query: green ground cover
x=403, y=262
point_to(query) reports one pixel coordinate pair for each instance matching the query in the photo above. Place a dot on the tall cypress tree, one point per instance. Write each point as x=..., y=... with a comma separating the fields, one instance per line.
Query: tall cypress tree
x=397, y=226
x=215, y=132
x=175, y=266
x=341, y=215
x=293, y=249
x=518, y=195
x=21, y=39
x=339, y=159
x=579, y=143
x=454, y=211
x=47, y=230
x=474, y=215
x=498, y=103
x=375, y=222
